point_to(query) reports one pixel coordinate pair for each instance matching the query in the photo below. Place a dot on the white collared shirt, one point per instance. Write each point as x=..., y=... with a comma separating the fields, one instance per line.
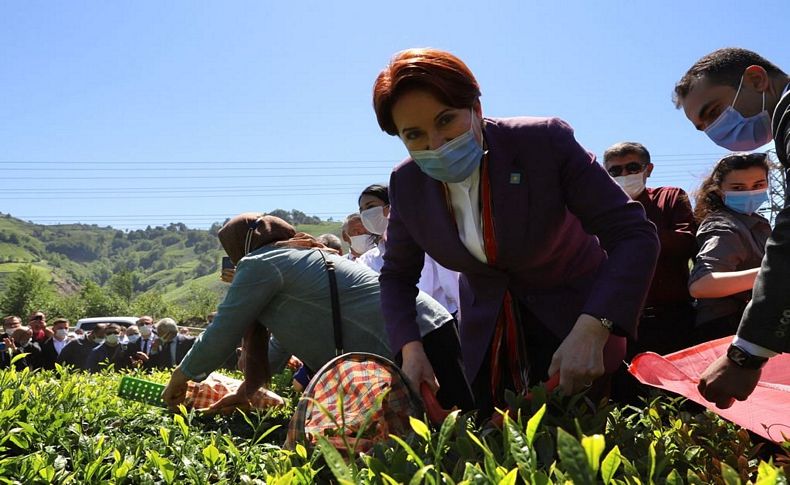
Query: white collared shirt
x=59, y=344
x=465, y=201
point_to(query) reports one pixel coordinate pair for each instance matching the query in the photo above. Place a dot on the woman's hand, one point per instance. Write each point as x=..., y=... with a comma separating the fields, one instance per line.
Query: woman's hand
x=417, y=367
x=579, y=359
x=227, y=275
x=176, y=389
x=229, y=403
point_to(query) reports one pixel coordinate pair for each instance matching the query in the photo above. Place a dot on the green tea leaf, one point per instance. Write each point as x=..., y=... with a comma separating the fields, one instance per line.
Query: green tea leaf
x=573, y=459
x=211, y=455
x=593, y=447
x=651, y=460
x=420, y=475
x=767, y=474
x=337, y=465
x=510, y=478
x=301, y=451
x=420, y=428
x=534, y=423
x=610, y=465
x=729, y=475
x=674, y=478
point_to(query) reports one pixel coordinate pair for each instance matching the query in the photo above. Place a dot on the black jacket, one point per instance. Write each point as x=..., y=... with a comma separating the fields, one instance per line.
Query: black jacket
x=163, y=358
x=31, y=360
x=766, y=320
x=75, y=353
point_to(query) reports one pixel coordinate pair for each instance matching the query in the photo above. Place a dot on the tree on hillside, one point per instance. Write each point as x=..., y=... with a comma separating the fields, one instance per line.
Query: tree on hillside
x=123, y=284
x=102, y=303
x=27, y=291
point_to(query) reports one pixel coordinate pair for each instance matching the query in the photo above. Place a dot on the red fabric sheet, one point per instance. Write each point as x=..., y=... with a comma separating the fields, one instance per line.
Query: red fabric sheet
x=766, y=412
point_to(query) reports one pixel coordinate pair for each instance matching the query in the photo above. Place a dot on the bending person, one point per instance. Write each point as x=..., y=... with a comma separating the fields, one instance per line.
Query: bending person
x=281, y=284
x=553, y=255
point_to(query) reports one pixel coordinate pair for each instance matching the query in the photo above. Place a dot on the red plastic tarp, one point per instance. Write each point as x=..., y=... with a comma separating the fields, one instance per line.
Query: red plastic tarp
x=766, y=412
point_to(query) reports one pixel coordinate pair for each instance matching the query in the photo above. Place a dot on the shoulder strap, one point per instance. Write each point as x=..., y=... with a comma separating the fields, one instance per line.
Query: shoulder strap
x=337, y=321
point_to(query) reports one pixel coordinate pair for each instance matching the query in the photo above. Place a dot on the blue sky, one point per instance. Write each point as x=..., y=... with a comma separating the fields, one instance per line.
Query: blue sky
x=137, y=113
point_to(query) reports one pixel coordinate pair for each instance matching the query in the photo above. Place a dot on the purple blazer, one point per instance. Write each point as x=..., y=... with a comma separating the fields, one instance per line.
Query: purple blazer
x=569, y=240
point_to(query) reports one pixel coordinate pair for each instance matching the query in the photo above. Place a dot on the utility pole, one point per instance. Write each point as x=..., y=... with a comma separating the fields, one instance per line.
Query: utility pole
x=776, y=189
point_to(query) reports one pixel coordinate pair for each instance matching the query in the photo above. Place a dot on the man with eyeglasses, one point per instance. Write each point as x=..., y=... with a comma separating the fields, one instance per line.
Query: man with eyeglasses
x=668, y=316
x=741, y=101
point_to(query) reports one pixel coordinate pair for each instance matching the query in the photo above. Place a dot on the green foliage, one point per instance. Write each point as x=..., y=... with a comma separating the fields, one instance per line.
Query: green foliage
x=83, y=270
x=68, y=427
x=26, y=292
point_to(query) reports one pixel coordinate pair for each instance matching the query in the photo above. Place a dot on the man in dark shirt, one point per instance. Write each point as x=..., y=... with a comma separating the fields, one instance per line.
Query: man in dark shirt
x=108, y=352
x=20, y=342
x=51, y=349
x=741, y=100
x=77, y=351
x=667, y=321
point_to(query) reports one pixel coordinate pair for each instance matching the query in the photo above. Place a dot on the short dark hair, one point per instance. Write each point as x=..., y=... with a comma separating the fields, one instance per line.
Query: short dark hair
x=378, y=191
x=722, y=67
x=627, y=148
x=60, y=320
x=440, y=73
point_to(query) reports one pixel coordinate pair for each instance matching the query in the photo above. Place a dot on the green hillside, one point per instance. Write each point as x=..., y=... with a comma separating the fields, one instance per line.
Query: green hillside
x=172, y=259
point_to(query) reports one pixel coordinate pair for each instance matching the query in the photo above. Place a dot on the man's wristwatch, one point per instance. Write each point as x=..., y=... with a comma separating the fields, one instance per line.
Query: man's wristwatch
x=744, y=359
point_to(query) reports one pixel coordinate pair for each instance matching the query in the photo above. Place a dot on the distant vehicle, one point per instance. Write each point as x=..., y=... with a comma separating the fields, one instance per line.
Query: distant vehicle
x=87, y=324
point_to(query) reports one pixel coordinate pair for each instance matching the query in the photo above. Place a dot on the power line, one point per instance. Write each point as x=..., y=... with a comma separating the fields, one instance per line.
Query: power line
x=277, y=162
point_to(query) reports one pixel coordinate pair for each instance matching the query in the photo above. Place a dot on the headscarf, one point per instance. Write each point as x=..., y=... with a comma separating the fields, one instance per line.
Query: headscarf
x=249, y=231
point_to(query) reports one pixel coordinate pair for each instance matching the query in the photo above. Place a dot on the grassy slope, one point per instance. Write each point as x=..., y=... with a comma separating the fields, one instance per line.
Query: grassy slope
x=31, y=249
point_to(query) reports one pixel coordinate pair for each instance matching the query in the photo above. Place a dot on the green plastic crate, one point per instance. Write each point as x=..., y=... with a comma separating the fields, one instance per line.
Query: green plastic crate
x=141, y=390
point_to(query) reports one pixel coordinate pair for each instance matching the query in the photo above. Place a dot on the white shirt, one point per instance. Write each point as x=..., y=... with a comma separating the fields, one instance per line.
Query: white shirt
x=440, y=283
x=465, y=201
x=59, y=344
x=374, y=258
x=435, y=280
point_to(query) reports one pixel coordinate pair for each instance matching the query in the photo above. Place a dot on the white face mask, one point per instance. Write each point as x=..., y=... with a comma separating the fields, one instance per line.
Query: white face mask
x=112, y=340
x=132, y=338
x=374, y=220
x=98, y=341
x=362, y=243
x=633, y=184
x=61, y=333
x=9, y=331
x=145, y=331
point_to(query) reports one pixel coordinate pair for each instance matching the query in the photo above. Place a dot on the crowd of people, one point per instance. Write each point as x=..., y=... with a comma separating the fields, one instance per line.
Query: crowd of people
x=502, y=253
x=145, y=344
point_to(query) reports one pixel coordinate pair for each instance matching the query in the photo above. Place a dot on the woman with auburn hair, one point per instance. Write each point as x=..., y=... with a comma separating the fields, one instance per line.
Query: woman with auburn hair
x=555, y=259
x=731, y=238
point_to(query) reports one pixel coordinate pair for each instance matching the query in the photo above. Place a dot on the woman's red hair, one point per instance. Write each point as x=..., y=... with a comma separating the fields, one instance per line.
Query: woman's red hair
x=438, y=72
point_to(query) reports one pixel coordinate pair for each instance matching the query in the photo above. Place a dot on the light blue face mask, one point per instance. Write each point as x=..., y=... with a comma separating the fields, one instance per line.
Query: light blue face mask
x=452, y=162
x=747, y=201
x=734, y=132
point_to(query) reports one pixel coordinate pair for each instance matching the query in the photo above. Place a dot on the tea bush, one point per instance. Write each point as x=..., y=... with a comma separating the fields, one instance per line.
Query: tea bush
x=64, y=426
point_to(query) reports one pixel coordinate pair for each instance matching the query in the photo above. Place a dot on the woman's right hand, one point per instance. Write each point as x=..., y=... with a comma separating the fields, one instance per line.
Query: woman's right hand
x=417, y=367
x=227, y=275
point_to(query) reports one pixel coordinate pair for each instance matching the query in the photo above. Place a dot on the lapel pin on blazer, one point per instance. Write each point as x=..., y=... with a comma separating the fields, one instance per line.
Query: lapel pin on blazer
x=515, y=178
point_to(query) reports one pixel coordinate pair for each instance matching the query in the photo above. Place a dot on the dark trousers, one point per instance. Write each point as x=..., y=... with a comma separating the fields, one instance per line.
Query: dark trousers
x=540, y=344
x=662, y=329
x=718, y=328
x=443, y=348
